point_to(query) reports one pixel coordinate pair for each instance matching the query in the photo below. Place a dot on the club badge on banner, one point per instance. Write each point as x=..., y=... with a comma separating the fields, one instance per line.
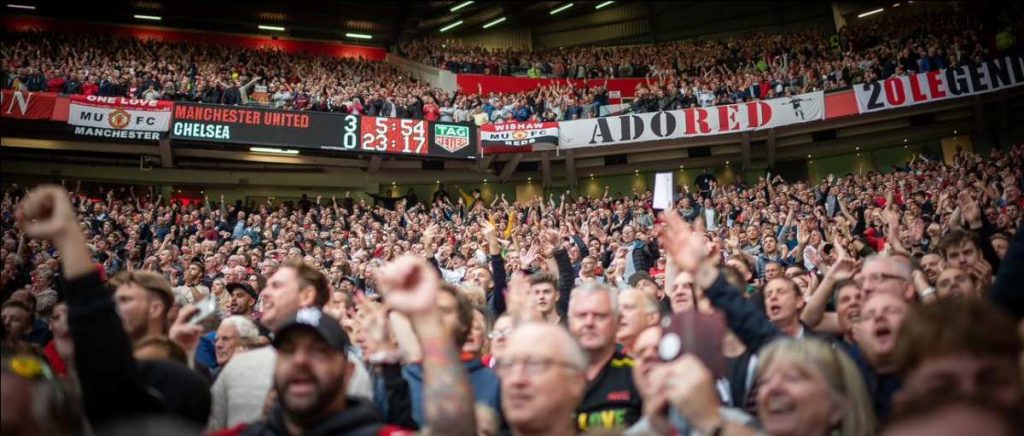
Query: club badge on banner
x=693, y=122
x=938, y=85
x=119, y=117
x=518, y=137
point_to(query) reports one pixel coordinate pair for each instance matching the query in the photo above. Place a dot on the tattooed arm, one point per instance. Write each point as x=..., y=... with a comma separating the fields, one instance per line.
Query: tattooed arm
x=411, y=287
x=447, y=395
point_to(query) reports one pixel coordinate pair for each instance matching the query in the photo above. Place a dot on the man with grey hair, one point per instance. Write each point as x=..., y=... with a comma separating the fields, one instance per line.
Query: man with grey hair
x=639, y=310
x=886, y=274
x=235, y=334
x=611, y=400
x=543, y=378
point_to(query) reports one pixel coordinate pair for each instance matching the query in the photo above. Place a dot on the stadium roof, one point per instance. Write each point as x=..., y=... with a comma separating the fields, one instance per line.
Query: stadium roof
x=386, y=22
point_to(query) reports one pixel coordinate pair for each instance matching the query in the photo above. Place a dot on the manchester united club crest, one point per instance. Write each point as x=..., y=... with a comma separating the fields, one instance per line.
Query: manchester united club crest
x=119, y=118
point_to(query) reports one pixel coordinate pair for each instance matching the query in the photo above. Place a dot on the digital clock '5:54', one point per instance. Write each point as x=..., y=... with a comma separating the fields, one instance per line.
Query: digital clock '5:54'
x=385, y=135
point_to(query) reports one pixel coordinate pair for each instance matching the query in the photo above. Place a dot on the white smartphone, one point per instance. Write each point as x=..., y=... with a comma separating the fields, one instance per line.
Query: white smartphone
x=206, y=307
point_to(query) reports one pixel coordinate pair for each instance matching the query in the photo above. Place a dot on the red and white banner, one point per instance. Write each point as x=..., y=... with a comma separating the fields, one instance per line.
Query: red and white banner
x=27, y=105
x=119, y=113
x=518, y=137
x=938, y=85
x=693, y=122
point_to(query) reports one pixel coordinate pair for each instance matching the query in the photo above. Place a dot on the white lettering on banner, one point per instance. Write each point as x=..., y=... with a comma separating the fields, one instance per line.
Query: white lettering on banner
x=517, y=134
x=117, y=134
x=692, y=122
x=22, y=99
x=120, y=113
x=121, y=101
x=938, y=85
x=201, y=130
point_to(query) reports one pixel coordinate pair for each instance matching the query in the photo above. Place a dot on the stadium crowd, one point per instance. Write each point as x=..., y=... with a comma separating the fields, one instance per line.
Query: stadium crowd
x=757, y=65
x=678, y=74
x=854, y=305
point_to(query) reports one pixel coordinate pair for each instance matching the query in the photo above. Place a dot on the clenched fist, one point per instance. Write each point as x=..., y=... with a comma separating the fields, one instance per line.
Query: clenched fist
x=46, y=213
x=410, y=285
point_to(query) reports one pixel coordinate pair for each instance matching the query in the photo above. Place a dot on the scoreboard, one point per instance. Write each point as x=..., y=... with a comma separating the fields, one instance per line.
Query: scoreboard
x=323, y=131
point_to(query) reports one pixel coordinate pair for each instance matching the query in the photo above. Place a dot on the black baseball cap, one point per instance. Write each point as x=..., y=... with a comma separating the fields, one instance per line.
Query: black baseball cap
x=245, y=287
x=312, y=319
x=638, y=276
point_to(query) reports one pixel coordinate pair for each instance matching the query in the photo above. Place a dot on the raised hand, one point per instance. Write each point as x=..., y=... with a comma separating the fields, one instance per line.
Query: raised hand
x=183, y=333
x=549, y=240
x=970, y=210
x=46, y=213
x=488, y=230
x=519, y=295
x=683, y=242
x=843, y=269
x=410, y=285
x=802, y=234
x=690, y=387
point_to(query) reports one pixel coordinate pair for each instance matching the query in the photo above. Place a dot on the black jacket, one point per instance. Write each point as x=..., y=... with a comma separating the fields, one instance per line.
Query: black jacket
x=112, y=386
x=1006, y=291
x=358, y=419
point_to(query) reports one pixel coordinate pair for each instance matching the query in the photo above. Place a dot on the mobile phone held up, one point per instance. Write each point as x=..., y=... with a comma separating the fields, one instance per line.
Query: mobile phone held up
x=207, y=307
x=699, y=334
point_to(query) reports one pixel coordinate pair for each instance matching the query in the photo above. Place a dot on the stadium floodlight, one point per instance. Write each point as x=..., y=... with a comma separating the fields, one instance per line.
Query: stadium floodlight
x=460, y=6
x=603, y=4
x=28, y=7
x=359, y=35
x=561, y=8
x=494, y=23
x=148, y=17
x=871, y=12
x=273, y=150
x=266, y=27
x=451, y=26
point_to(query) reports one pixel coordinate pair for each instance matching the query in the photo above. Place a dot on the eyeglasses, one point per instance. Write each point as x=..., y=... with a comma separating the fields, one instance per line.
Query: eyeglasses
x=881, y=277
x=532, y=365
x=885, y=311
x=499, y=334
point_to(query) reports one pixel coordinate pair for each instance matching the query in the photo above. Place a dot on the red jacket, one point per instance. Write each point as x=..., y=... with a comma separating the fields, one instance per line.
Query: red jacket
x=90, y=89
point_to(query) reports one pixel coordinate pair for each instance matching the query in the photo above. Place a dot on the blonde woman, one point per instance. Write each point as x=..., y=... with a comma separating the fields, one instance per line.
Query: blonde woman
x=804, y=386
x=809, y=387
x=219, y=291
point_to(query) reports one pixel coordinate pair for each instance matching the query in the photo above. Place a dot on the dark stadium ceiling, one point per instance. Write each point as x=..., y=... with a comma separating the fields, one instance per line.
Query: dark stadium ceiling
x=386, y=21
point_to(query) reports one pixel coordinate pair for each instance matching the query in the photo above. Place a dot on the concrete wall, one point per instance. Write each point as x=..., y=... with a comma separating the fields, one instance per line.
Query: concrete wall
x=436, y=77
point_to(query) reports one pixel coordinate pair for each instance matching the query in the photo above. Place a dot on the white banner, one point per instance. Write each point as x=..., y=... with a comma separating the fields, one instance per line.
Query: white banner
x=662, y=191
x=693, y=122
x=938, y=85
x=120, y=113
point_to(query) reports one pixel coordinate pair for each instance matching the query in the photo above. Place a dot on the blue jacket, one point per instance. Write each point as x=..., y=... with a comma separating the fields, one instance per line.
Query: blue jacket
x=206, y=352
x=486, y=387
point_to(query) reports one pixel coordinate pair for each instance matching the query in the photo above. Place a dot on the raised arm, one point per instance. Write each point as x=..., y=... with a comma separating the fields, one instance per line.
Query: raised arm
x=110, y=383
x=814, y=314
x=411, y=287
x=688, y=248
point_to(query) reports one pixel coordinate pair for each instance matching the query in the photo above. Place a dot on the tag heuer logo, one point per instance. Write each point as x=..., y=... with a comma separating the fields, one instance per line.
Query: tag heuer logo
x=451, y=138
x=119, y=118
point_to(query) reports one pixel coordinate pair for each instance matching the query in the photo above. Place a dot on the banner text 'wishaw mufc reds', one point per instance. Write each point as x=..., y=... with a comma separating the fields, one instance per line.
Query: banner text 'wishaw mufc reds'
x=518, y=137
x=692, y=122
